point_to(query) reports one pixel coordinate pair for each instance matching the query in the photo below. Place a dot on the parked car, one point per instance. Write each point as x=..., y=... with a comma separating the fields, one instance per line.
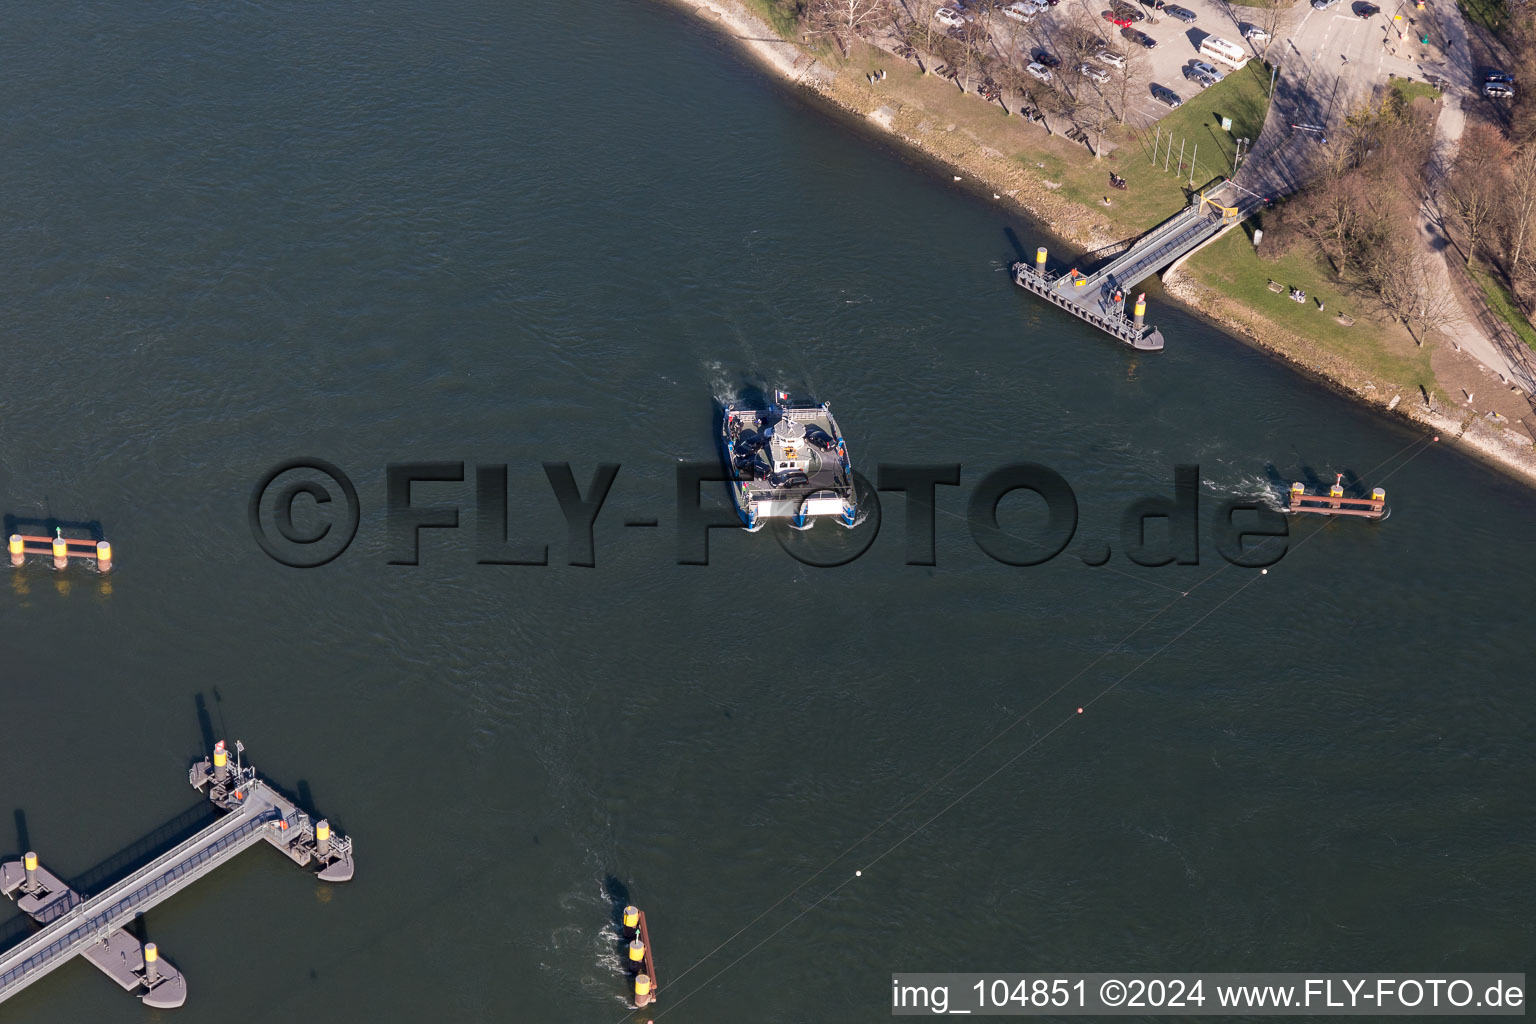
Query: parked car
x=1020, y=11
x=1156, y=5
x=1092, y=73
x=1498, y=90
x=1047, y=58
x=1256, y=34
x=1127, y=11
x=948, y=17
x=1499, y=78
x=1199, y=77
x=1139, y=37
x=1323, y=5
x=1184, y=14
x=1208, y=69
x=1367, y=10
x=1111, y=58
x=1111, y=16
x=1039, y=71
x=1163, y=94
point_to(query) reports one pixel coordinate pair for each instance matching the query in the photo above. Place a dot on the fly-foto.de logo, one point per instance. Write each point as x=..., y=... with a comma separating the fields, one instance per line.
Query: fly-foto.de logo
x=306, y=512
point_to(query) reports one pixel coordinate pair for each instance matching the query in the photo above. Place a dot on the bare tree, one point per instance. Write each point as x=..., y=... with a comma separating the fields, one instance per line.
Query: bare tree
x=1051, y=103
x=1416, y=291
x=1520, y=38
x=1010, y=74
x=851, y=16
x=1272, y=15
x=926, y=33
x=1474, y=184
x=1329, y=211
x=1082, y=32
x=1129, y=78
x=1520, y=200
x=1098, y=119
x=972, y=56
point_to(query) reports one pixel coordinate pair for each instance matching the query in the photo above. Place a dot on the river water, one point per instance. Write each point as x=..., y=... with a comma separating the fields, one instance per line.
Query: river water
x=238, y=234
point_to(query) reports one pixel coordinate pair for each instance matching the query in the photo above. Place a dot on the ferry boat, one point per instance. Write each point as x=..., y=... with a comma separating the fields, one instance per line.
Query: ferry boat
x=788, y=461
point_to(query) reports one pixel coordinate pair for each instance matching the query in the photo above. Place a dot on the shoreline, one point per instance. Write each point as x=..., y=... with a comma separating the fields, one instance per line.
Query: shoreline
x=1081, y=226
x=1465, y=429
x=1003, y=179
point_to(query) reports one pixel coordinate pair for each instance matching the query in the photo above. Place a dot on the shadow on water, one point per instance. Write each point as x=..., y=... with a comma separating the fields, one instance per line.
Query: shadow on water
x=156, y=842
x=134, y=856
x=120, y=864
x=205, y=723
x=618, y=898
x=1315, y=482
x=14, y=930
x=46, y=527
x=301, y=795
x=1016, y=242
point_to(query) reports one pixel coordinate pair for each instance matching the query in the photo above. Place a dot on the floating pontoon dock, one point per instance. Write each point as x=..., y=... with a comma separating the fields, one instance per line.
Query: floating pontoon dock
x=641, y=960
x=1334, y=503
x=1099, y=297
x=74, y=924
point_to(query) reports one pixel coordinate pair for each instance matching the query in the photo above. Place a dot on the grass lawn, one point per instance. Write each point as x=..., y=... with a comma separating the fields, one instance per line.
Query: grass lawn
x=1153, y=196
x=1490, y=14
x=1153, y=193
x=779, y=14
x=1381, y=350
x=1242, y=95
x=1503, y=306
x=1410, y=91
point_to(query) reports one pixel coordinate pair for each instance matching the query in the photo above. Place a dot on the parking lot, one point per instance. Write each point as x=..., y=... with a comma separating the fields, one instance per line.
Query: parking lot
x=1177, y=47
x=1342, y=51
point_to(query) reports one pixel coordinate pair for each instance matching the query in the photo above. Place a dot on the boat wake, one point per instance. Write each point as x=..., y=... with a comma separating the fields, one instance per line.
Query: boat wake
x=1255, y=486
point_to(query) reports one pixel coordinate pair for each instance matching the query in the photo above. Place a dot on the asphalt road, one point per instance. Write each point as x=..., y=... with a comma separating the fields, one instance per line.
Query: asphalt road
x=1329, y=63
x=1329, y=60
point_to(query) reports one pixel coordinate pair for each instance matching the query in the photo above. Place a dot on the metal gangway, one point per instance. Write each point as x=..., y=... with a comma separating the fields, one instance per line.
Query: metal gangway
x=1209, y=213
x=72, y=924
x=1099, y=297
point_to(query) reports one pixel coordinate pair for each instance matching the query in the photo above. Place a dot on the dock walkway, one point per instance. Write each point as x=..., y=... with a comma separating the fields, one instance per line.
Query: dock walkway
x=1099, y=297
x=72, y=924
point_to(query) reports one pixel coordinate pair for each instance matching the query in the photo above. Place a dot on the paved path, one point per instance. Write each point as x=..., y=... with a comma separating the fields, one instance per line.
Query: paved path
x=1496, y=348
x=1329, y=64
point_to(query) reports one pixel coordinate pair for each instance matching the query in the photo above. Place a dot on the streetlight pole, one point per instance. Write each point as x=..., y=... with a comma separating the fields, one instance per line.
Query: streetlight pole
x=1237, y=154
